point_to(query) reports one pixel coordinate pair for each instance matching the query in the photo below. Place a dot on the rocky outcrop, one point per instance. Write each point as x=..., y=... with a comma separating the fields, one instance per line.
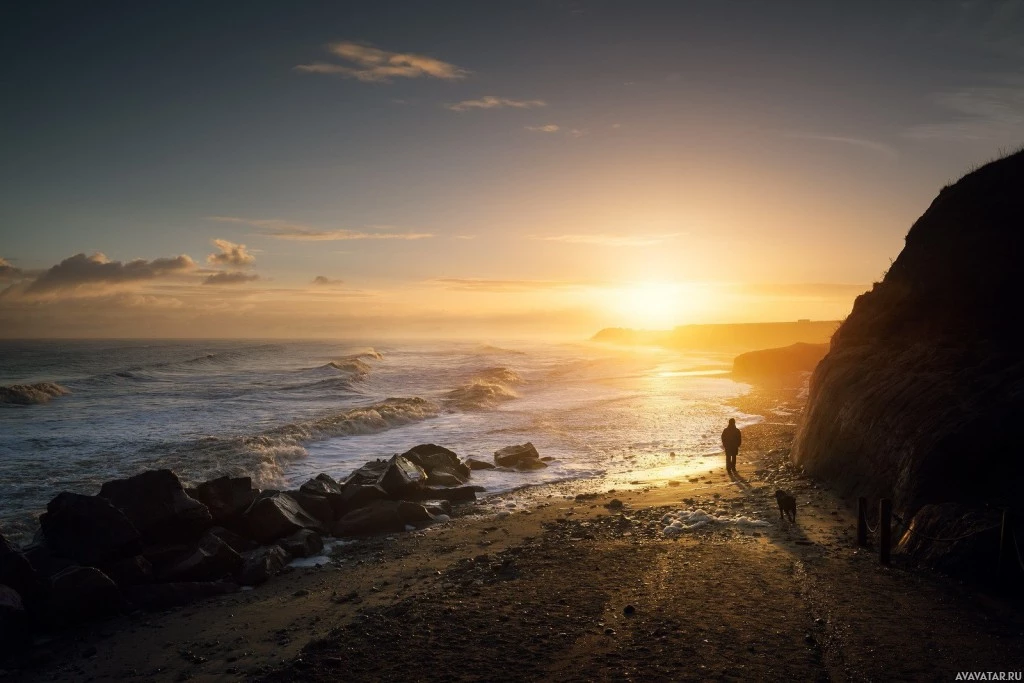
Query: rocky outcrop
x=785, y=366
x=522, y=457
x=442, y=466
x=921, y=391
x=274, y=515
x=156, y=503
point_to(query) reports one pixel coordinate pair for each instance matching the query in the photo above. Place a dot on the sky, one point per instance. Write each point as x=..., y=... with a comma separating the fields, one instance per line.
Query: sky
x=492, y=169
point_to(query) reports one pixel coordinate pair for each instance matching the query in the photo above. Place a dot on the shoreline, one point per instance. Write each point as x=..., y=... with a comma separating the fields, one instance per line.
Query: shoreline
x=532, y=592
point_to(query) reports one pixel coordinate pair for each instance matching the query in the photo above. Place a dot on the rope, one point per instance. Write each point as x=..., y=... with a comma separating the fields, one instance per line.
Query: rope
x=871, y=530
x=944, y=540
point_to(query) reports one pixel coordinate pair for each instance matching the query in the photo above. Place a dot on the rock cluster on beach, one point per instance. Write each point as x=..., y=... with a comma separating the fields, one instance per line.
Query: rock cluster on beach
x=148, y=542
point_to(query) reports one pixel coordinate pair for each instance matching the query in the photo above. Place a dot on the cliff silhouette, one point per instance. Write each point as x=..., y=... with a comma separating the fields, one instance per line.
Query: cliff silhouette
x=921, y=394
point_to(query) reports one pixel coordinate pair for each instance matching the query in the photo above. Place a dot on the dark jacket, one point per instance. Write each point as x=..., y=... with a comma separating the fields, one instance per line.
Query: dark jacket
x=731, y=439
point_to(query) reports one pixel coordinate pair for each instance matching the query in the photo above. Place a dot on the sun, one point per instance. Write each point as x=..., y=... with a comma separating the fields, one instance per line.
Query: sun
x=652, y=305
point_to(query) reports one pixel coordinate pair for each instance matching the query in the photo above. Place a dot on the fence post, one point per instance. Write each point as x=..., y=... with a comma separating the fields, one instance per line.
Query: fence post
x=884, y=529
x=1004, y=542
x=862, y=522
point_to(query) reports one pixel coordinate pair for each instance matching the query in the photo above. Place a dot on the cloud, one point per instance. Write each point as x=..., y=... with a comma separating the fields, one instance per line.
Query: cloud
x=992, y=113
x=864, y=143
x=81, y=270
x=230, y=278
x=373, y=65
x=9, y=272
x=324, y=281
x=230, y=254
x=485, y=285
x=607, y=240
x=492, y=102
x=287, y=230
x=549, y=128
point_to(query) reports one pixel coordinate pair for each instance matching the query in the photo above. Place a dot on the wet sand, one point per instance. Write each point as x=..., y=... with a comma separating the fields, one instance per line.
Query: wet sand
x=580, y=589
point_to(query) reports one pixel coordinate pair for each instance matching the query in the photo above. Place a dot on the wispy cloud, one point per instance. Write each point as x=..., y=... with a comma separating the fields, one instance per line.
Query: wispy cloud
x=230, y=278
x=230, y=254
x=549, y=128
x=287, y=230
x=864, y=143
x=374, y=65
x=994, y=113
x=486, y=285
x=97, y=270
x=324, y=281
x=492, y=102
x=610, y=240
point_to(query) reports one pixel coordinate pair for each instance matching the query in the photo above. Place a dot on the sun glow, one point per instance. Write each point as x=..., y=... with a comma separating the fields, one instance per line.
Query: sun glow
x=655, y=305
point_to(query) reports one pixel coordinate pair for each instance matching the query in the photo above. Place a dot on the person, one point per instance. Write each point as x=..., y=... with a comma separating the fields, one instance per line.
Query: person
x=731, y=439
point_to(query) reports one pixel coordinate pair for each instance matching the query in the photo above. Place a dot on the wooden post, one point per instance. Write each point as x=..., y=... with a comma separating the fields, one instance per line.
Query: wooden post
x=862, y=522
x=1005, y=540
x=884, y=529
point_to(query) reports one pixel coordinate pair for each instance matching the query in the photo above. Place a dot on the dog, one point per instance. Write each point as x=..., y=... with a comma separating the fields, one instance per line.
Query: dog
x=787, y=505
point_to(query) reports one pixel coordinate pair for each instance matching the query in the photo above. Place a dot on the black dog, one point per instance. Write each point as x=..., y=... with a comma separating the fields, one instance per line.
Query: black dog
x=787, y=505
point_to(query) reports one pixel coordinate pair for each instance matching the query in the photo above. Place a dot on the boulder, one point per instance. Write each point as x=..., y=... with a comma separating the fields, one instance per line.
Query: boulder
x=316, y=505
x=527, y=464
x=401, y=476
x=303, y=543
x=159, y=596
x=511, y=456
x=439, y=462
x=355, y=496
x=238, y=543
x=382, y=516
x=16, y=571
x=225, y=497
x=369, y=473
x=156, y=503
x=274, y=515
x=13, y=620
x=324, y=485
x=79, y=594
x=261, y=564
x=43, y=560
x=437, y=507
x=88, y=529
x=210, y=560
x=455, y=494
x=474, y=464
x=129, y=571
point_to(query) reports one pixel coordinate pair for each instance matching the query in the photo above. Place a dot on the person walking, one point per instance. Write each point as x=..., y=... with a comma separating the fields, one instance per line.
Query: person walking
x=731, y=439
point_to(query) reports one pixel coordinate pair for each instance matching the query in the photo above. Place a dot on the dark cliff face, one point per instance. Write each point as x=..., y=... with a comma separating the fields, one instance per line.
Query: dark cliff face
x=921, y=396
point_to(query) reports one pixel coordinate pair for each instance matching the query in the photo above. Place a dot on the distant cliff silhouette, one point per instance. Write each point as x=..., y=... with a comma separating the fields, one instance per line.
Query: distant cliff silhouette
x=738, y=336
x=785, y=366
x=921, y=395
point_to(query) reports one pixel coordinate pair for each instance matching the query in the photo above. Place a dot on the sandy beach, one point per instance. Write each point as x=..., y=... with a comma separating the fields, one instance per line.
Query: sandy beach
x=578, y=587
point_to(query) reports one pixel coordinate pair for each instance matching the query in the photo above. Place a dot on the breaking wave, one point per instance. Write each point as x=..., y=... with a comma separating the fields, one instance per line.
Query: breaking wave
x=485, y=391
x=32, y=394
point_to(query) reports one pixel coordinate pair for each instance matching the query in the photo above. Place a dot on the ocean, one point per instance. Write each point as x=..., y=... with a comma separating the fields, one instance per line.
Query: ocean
x=282, y=412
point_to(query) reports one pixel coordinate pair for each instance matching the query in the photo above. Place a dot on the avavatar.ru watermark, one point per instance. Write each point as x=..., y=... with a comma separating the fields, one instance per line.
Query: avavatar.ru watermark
x=988, y=676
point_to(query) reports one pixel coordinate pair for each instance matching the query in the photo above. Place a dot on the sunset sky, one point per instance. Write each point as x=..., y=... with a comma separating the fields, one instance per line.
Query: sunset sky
x=320, y=169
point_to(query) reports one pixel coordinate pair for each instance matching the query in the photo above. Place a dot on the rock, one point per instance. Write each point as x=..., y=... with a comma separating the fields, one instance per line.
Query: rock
x=355, y=496
x=474, y=464
x=156, y=503
x=210, y=560
x=528, y=464
x=129, y=571
x=382, y=516
x=368, y=473
x=510, y=456
x=318, y=506
x=160, y=596
x=261, y=564
x=88, y=529
x=43, y=560
x=437, y=507
x=324, y=485
x=401, y=477
x=629, y=610
x=614, y=504
x=455, y=494
x=439, y=462
x=14, y=623
x=276, y=514
x=16, y=571
x=238, y=543
x=79, y=594
x=226, y=498
x=303, y=543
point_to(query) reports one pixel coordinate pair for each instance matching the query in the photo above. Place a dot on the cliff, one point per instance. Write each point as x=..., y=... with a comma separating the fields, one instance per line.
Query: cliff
x=921, y=393
x=732, y=336
x=780, y=366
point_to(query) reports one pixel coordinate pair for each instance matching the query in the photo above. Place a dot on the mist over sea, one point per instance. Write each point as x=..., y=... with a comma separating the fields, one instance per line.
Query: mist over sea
x=284, y=411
